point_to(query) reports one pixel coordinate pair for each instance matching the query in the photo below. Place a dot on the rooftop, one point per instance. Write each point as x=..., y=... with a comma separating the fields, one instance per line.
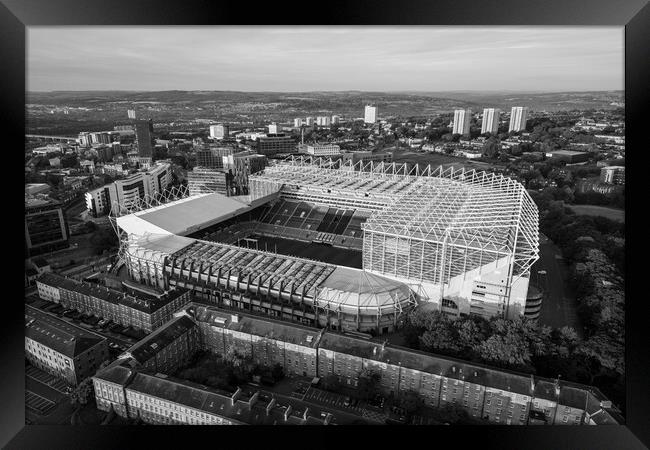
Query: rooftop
x=184, y=216
x=258, y=326
x=141, y=301
x=148, y=347
x=57, y=334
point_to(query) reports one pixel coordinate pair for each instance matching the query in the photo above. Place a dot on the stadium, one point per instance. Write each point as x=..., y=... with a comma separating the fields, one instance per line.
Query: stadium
x=342, y=245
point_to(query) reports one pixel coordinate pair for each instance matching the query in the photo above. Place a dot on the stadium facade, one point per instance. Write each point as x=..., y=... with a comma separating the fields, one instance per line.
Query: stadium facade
x=462, y=241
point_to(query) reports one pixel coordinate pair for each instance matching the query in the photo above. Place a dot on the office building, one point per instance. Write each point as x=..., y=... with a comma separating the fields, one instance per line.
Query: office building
x=219, y=131
x=518, y=117
x=143, y=308
x=490, y=123
x=613, y=175
x=128, y=191
x=462, y=119
x=203, y=180
x=309, y=121
x=323, y=150
x=274, y=128
x=241, y=165
x=131, y=113
x=70, y=353
x=569, y=156
x=46, y=228
x=336, y=120
x=297, y=122
x=370, y=114
x=212, y=158
x=323, y=121
x=144, y=137
x=272, y=144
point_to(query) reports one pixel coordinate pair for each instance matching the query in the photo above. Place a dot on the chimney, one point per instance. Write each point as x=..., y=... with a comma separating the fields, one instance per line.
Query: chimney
x=287, y=412
x=532, y=384
x=253, y=399
x=270, y=406
x=304, y=415
x=235, y=396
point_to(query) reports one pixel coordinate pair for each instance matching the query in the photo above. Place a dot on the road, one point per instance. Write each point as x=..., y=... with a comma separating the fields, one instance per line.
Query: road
x=111, y=337
x=559, y=305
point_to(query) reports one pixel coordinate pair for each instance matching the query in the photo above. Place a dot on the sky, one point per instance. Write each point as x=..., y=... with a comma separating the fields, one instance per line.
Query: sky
x=299, y=59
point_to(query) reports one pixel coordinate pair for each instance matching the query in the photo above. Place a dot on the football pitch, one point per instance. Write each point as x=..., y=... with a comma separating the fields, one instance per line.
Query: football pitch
x=319, y=252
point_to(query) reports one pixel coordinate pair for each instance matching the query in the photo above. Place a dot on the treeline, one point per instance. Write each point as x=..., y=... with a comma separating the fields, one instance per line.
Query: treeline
x=594, y=247
x=519, y=344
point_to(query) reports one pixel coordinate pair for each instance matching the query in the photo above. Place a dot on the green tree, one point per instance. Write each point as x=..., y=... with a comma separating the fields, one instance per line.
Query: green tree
x=368, y=385
x=81, y=393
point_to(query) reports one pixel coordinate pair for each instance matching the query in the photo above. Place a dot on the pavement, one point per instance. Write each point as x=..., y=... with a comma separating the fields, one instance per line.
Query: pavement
x=559, y=307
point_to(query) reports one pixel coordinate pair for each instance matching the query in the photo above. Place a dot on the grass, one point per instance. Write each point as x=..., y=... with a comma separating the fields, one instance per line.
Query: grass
x=318, y=252
x=604, y=211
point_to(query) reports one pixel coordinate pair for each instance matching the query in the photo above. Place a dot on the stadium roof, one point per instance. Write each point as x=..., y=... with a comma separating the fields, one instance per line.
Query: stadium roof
x=466, y=209
x=356, y=289
x=184, y=216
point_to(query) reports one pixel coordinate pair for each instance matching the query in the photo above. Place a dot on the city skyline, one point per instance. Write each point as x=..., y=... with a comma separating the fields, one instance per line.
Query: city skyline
x=300, y=59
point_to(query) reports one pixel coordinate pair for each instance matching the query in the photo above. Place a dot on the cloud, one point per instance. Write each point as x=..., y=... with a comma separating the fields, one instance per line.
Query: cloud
x=325, y=58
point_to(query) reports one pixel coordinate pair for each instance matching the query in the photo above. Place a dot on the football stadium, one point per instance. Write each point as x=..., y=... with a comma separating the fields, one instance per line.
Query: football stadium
x=341, y=245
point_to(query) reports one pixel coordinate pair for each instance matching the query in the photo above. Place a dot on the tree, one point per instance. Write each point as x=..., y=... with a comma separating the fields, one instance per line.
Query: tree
x=411, y=402
x=368, y=385
x=491, y=147
x=81, y=393
x=90, y=226
x=331, y=383
x=277, y=372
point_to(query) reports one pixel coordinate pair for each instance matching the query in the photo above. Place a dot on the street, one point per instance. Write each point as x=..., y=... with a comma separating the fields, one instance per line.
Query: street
x=559, y=305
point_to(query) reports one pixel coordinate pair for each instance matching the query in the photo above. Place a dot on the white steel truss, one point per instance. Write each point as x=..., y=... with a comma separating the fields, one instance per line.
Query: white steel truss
x=428, y=223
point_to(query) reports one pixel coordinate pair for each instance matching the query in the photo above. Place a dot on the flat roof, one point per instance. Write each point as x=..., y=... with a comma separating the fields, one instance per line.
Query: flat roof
x=58, y=334
x=184, y=216
x=567, y=152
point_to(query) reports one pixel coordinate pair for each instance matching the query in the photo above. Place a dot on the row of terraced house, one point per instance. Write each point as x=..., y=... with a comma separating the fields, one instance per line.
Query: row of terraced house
x=136, y=308
x=495, y=395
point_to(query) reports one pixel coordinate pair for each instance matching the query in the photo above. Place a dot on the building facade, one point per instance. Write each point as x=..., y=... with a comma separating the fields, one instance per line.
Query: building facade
x=323, y=150
x=68, y=352
x=613, y=175
x=219, y=131
x=518, y=117
x=128, y=191
x=462, y=119
x=144, y=137
x=490, y=123
x=278, y=143
x=494, y=395
x=145, y=312
x=203, y=180
x=370, y=114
